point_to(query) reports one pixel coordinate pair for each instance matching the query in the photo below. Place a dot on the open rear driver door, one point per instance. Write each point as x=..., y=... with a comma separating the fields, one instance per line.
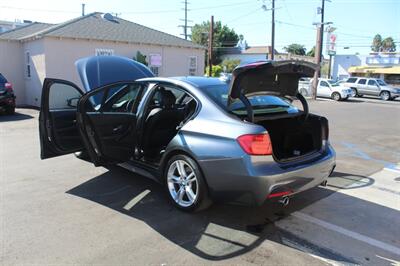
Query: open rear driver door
x=59, y=133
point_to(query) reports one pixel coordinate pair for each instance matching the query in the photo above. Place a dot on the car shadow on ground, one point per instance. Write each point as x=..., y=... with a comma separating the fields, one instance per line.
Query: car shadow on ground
x=219, y=233
x=14, y=117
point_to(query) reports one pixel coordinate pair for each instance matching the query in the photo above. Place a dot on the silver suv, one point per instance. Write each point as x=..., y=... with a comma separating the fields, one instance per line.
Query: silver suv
x=371, y=86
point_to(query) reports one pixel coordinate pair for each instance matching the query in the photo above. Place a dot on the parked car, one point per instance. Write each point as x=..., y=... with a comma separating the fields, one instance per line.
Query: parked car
x=371, y=86
x=326, y=88
x=204, y=139
x=7, y=96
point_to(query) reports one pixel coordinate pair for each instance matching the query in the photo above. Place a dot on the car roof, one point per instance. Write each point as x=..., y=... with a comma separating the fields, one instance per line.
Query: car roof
x=202, y=81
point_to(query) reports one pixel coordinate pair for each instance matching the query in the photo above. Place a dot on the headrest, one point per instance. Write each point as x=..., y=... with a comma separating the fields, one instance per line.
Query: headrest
x=167, y=98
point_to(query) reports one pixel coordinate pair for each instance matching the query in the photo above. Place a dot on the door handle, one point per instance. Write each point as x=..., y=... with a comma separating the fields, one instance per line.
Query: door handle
x=117, y=129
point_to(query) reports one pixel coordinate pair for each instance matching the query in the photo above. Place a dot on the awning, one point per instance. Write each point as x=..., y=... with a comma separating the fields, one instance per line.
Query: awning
x=374, y=69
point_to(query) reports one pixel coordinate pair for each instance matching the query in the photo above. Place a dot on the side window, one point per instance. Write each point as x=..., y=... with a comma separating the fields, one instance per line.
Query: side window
x=324, y=84
x=372, y=82
x=362, y=81
x=172, y=98
x=122, y=98
x=63, y=96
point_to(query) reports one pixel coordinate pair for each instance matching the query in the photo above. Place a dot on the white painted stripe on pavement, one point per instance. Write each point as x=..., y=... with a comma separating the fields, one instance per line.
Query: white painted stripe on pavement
x=343, y=231
x=136, y=200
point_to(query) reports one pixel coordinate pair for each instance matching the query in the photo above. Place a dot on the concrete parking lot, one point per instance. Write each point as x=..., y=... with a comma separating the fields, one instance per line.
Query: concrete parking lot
x=66, y=211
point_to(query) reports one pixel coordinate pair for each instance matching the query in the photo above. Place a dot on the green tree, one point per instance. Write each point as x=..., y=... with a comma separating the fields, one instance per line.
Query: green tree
x=311, y=52
x=295, y=48
x=230, y=64
x=388, y=45
x=223, y=37
x=377, y=43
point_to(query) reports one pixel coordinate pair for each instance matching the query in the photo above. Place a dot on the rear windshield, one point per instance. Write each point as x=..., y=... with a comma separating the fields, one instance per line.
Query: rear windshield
x=261, y=104
x=2, y=79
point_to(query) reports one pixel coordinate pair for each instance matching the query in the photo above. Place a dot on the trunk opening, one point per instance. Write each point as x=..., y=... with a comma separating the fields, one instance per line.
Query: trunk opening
x=294, y=137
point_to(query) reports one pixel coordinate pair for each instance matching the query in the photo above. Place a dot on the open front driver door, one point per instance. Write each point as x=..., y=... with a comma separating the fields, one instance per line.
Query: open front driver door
x=58, y=128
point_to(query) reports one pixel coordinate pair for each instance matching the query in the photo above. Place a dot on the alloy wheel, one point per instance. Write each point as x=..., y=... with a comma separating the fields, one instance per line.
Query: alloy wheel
x=183, y=185
x=336, y=96
x=385, y=95
x=353, y=92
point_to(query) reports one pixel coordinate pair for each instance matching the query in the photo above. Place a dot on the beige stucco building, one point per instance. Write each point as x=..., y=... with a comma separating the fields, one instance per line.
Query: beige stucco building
x=33, y=52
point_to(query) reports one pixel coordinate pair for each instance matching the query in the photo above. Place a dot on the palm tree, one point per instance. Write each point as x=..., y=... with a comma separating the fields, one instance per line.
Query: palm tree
x=388, y=45
x=377, y=43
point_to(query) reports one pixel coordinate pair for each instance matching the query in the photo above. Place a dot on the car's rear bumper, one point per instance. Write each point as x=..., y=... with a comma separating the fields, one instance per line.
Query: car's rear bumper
x=251, y=179
x=6, y=102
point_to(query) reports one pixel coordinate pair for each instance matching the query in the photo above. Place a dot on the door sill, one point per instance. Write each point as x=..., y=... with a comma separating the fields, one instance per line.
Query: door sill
x=141, y=169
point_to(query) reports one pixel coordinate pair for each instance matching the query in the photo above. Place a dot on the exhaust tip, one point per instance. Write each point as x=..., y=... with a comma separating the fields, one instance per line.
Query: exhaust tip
x=284, y=201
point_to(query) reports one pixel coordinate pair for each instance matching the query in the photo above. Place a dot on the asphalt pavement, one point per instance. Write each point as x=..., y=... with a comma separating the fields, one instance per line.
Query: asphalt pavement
x=66, y=211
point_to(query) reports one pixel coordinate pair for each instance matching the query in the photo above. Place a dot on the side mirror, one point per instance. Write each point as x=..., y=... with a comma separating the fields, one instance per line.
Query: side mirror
x=73, y=102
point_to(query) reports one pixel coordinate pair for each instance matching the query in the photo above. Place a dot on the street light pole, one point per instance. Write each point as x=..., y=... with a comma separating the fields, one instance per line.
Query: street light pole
x=273, y=31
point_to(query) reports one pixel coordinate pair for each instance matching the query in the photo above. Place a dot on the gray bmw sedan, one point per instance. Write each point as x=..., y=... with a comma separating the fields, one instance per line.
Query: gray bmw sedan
x=204, y=139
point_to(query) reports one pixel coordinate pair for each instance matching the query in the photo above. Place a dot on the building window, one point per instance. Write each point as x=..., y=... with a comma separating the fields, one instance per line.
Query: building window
x=102, y=51
x=27, y=64
x=192, y=65
x=154, y=69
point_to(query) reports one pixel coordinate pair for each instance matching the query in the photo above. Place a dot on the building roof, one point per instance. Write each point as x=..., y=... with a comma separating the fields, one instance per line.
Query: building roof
x=96, y=26
x=23, y=31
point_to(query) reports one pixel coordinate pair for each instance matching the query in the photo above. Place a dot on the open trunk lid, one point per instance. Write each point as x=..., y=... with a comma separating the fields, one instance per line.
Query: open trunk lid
x=275, y=77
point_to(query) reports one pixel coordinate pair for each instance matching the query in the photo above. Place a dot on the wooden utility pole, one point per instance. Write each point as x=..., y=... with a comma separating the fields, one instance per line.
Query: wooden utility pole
x=321, y=32
x=318, y=62
x=273, y=31
x=210, y=45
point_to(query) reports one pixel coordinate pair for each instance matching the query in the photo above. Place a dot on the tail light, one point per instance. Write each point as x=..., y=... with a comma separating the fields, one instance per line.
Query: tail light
x=256, y=144
x=8, y=86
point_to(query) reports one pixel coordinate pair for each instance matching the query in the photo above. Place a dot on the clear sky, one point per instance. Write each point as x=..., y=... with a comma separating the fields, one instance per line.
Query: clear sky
x=357, y=21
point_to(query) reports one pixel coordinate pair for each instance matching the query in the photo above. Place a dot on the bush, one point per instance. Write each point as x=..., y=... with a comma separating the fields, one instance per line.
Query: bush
x=230, y=64
x=215, y=71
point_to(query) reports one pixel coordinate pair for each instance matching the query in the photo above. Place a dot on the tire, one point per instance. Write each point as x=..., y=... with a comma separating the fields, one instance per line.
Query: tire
x=336, y=96
x=304, y=92
x=10, y=110
x=354, y=92
x=185, y=184
x=385, y=95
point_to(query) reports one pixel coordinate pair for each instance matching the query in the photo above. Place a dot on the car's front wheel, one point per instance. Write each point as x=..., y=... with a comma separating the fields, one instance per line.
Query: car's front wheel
x=336, y=96
x=385, y=95
x=185, y=184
